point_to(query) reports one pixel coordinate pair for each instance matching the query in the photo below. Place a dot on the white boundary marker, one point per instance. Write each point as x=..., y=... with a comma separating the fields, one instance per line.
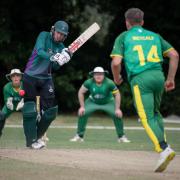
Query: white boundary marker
x=97, y=127
x=171, y=121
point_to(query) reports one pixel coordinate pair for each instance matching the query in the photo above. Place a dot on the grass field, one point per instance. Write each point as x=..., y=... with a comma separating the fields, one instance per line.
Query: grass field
x=99, y=157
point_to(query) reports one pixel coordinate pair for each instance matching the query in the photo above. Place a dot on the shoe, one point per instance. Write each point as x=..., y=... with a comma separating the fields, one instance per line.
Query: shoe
x=77, y=138
x=124, y=139
x=45, y=138
x=165, y=157
x=39, y=144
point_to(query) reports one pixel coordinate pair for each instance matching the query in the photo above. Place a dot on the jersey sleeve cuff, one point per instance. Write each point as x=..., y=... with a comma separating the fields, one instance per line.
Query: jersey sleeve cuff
x=165, y=52
x=115, y=91
x=116, y=55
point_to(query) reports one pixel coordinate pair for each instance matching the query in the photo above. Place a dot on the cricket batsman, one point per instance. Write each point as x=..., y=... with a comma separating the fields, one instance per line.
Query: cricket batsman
x=49, y=53
x=103, y=96
x=13, y=96
x=142, y=53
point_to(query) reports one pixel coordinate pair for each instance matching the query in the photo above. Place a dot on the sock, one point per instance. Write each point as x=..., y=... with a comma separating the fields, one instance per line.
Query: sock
x=163, y=145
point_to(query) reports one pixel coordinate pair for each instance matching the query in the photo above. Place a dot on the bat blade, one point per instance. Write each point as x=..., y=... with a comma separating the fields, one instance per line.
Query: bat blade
x=87, y=34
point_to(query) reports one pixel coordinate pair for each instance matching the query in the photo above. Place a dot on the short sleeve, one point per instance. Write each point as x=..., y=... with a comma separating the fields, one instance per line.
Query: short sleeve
x=166, y=46
x=118, y=48
x=113, y=88
x=87, y=84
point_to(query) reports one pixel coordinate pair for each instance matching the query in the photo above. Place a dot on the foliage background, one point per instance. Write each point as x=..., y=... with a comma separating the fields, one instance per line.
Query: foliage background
x=21, y=22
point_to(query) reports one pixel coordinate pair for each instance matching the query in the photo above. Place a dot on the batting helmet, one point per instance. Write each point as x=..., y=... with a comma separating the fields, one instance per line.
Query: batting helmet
x=62, y=27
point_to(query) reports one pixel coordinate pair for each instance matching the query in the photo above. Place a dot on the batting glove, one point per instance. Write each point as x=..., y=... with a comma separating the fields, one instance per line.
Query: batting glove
x=9, y=103
x=61, y=58
x=20, y=105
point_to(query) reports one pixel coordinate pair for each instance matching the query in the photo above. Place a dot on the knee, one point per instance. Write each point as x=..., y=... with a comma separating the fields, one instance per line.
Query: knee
x=29, y=110
x=48, y=103
x=50, y=113
x=112, y=114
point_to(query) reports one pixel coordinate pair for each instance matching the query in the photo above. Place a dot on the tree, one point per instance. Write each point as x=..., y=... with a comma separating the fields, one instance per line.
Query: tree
x=22, y=21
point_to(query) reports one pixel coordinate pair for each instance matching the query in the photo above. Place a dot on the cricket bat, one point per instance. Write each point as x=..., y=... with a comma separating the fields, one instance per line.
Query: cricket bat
x=87, y=34
x=38, y=108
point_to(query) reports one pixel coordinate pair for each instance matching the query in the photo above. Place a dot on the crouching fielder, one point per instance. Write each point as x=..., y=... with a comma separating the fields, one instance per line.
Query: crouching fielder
x=12, y=97
x=101, y=90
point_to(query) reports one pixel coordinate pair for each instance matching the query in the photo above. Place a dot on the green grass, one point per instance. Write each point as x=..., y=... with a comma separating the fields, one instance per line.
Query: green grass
x=94, y=139
x=95, y=120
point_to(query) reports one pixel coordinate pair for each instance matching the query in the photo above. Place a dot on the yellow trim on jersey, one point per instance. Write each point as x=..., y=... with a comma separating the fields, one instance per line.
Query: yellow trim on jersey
x=116, y=55
x=143, y=117
x=164, y=53
x=115, y=91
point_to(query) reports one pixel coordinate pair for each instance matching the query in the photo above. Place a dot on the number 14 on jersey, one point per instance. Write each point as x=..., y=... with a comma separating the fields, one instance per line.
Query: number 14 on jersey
x=152, y=55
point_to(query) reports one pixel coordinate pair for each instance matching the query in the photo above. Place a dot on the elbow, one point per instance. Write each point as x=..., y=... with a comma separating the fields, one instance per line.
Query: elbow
x=177, y=56
x=115, y=62
x=174, y=55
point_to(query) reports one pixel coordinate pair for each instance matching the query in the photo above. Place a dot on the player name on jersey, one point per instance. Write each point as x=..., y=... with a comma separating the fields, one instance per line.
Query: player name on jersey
x=136, y=38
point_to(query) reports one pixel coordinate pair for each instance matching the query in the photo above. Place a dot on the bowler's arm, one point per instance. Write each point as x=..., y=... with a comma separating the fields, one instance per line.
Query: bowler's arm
x=116, y=69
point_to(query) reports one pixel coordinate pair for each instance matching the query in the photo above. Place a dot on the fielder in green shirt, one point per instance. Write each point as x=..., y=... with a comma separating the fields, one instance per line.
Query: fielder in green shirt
x=103, y=96
x=142, y=53
x=13, y=101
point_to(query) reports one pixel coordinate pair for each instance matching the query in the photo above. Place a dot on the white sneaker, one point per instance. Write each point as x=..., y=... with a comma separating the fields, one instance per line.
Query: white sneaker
x=124, y=139
x=45, y=138
x=165, y=157
x=77, y=138
x=38, y=145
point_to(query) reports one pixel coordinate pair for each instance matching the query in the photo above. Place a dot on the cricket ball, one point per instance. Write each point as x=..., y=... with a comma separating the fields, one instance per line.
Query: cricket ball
x=21, y=92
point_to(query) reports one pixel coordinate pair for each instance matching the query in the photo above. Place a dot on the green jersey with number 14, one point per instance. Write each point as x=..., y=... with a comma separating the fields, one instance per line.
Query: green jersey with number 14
x=140, y=49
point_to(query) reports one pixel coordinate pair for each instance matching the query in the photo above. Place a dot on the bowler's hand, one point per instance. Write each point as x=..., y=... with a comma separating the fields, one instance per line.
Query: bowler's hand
x=169, y=85
x=118, y=80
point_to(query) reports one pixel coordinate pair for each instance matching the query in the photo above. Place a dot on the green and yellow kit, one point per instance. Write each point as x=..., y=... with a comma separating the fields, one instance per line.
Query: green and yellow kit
x=142, y=52
x=100, y=99
x=10, y=91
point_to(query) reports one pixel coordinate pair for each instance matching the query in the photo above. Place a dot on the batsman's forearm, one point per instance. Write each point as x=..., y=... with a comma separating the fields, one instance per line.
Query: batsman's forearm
x=43, y=54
